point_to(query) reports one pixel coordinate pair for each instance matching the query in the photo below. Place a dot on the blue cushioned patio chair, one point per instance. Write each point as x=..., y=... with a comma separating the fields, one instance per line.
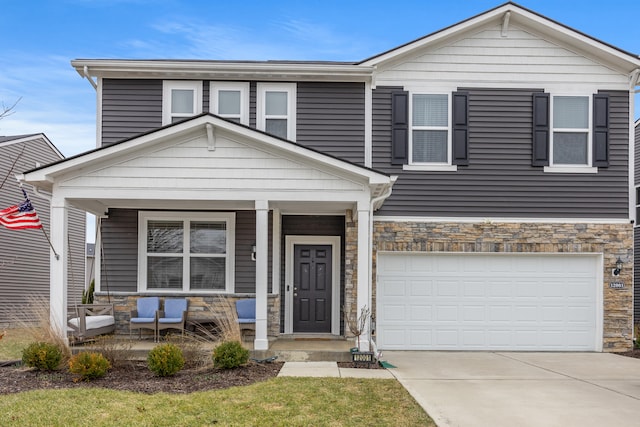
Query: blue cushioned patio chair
x=174, y=315
x=246, y=309
x=146, y=315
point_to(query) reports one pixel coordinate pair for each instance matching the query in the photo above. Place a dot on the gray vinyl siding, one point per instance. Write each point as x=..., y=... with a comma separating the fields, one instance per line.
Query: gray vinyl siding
x=312, y=225
x=130, y=107
x=120, y=251
x=330, y=119
x=119, y=256
x=25, y=254
x=637, y=155
x=500, y=180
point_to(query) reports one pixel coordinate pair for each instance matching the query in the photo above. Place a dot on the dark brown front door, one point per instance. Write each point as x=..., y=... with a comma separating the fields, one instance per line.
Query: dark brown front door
x=312, y=288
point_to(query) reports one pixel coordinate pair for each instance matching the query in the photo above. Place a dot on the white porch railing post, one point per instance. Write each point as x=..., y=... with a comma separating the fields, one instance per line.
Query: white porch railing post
x=59, y=266
x=261, y=341
x=364, y=277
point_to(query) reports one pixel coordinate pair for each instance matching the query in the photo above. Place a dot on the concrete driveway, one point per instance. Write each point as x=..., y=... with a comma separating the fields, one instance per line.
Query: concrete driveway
x=521, y=389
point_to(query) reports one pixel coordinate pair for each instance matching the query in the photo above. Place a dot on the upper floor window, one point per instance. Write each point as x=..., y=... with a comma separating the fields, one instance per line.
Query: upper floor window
x=571, y=137
x=430, y=137
x=230, y=100
x=186, y=252
x=277, y=109
x=180, y=99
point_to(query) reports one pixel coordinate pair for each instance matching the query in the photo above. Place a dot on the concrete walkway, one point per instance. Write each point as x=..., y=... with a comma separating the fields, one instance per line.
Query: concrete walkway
x=522, y=389
x=330, y=369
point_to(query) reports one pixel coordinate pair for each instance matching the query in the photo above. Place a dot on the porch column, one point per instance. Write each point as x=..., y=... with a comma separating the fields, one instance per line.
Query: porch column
x=261, y=341
x=364, y=276
x=59, y=266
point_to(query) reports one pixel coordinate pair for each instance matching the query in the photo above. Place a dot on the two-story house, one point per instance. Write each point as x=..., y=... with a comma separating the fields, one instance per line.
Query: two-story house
x=471, y=187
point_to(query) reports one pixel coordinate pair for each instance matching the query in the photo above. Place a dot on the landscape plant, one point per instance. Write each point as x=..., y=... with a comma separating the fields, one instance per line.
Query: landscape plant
x=165, y=360
x=42, y=356
x=229, y=355
x=89, y=365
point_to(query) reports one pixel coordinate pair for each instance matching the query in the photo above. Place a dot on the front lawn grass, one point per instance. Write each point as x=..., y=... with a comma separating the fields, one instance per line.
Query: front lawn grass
x=13, y=342
x=284, y=401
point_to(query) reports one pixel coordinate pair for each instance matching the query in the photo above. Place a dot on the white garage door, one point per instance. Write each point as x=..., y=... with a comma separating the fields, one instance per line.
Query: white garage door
x=489, y=302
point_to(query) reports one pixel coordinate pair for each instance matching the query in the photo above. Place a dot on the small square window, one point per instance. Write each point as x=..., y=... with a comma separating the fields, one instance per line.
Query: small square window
x=230, y=100
x=180, y=100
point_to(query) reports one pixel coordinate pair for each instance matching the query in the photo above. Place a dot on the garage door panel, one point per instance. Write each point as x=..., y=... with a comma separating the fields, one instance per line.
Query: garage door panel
x=495, y=302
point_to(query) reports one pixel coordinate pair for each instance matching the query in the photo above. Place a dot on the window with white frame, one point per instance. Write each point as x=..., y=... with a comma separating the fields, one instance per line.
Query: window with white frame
x=277, y=109
x=570, y=144
x=191, y=252
x=230, y=100
x=181, y=99
x=430, y=136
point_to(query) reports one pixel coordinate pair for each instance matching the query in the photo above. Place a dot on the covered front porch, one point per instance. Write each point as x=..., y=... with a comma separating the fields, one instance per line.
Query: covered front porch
x=207, y=208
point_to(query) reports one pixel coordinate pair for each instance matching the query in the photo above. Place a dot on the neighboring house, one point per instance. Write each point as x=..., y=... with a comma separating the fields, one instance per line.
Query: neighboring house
x=25, y=254
x=89, y=269
x=472, y=187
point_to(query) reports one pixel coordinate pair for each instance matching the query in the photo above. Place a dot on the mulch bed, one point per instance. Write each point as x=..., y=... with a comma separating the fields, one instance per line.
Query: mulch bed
x=135, y=376
x=631, y=353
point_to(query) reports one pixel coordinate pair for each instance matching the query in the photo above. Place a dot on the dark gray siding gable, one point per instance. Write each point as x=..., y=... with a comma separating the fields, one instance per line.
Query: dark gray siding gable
x=500, y=180
x=330, y=119
x=129, y=108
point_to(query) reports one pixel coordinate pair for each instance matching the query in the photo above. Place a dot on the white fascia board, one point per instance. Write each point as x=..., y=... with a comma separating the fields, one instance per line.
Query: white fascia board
x=222, y=70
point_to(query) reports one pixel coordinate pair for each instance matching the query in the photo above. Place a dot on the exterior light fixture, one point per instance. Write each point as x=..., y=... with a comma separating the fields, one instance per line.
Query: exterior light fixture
x=253, y=252
x=616, y=271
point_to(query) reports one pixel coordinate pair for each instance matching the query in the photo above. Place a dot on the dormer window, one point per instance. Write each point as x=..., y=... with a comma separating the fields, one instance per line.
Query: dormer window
x=181, y=99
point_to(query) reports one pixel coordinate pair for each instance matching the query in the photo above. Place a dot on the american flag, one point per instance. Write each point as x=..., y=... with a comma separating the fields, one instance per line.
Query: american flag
x=20, y=216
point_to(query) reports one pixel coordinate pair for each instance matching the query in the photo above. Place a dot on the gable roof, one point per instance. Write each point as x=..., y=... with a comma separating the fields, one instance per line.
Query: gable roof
x=16, y=139
x=507, y=13
x=44, y=176
x=510, y=13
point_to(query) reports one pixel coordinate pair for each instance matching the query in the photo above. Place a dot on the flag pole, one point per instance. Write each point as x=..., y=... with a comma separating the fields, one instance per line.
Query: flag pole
x=48, y=240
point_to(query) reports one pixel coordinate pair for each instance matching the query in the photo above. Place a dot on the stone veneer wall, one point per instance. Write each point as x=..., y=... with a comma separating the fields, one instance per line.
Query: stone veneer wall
x=611, y=240
x=200, y=307
x=351, y=270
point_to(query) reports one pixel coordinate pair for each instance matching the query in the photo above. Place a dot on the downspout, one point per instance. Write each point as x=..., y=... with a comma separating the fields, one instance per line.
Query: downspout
x=375, y=200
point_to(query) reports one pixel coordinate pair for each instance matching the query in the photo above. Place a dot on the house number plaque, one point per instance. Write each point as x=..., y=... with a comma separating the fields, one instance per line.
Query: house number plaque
x=616, y=285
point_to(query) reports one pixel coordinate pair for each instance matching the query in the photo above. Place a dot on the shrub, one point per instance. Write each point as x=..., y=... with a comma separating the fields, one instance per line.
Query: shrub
x=42, y=356
x=165, y=359
x=89, y=366
x=229, y=355
x=119, y=352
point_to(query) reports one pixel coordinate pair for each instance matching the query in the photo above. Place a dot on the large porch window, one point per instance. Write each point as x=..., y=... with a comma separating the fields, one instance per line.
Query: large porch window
x=186, y=252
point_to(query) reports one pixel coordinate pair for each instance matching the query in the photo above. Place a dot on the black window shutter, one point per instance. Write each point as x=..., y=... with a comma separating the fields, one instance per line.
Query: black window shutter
x=540, y=129
x=460, y=128
x=399, y=128
x=601, y=130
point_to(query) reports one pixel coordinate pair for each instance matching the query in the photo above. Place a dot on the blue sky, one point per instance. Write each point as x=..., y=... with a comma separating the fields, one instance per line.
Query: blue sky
x=40, y=38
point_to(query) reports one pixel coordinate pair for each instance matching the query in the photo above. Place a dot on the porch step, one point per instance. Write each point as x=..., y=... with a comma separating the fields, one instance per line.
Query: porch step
x=306, y=349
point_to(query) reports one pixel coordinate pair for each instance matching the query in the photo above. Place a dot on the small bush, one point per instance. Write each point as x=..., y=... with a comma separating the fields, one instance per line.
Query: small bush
x=89, y=366
x=229, y=355
x=119, y=352
x=42, y=356
x=165, y=360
